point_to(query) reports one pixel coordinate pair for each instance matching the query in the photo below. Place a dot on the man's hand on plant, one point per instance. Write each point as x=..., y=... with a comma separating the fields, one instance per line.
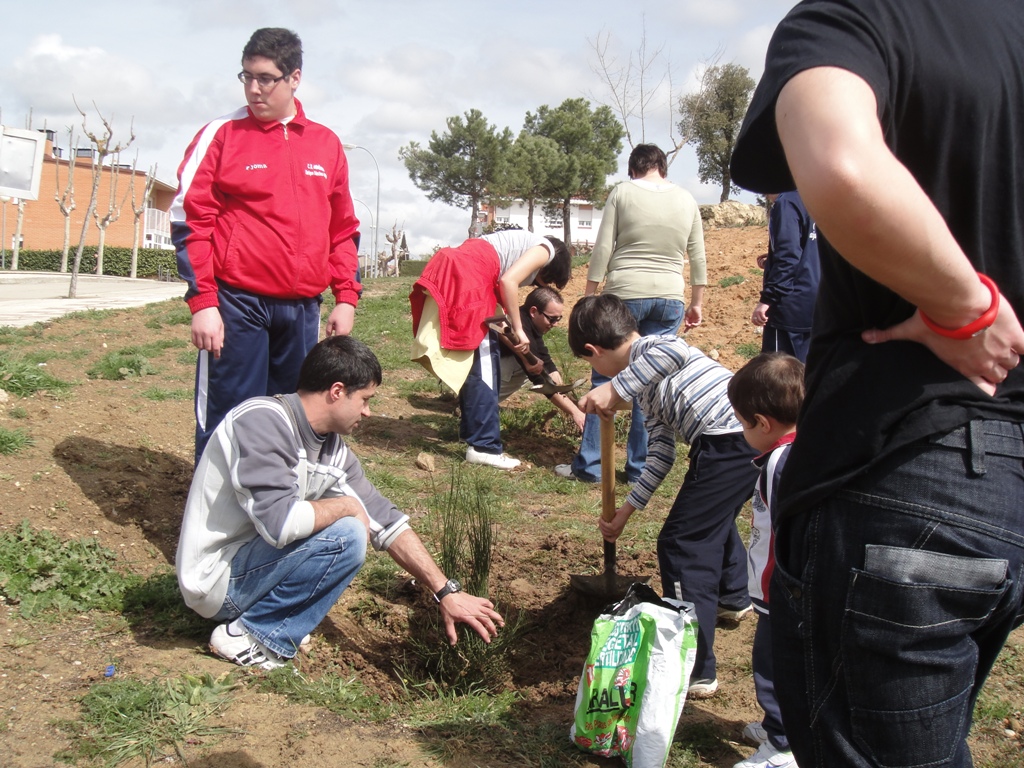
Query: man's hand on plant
x=476, y=612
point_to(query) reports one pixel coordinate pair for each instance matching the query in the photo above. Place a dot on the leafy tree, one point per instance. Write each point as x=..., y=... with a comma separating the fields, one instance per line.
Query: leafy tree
x=536, y=163
x=589, y=141
x=714, y=116
x=461, y=165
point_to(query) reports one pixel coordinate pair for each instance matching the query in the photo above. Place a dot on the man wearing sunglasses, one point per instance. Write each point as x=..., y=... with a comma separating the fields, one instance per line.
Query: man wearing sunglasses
x=541, y=312
x=263, y=224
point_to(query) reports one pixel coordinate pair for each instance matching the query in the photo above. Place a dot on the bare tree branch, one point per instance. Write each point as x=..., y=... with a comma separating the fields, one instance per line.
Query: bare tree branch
x=103, y=147
x=642, y=86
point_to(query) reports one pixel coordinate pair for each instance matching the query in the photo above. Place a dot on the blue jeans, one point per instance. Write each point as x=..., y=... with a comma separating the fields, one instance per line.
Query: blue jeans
x=479, y=422
x=892, y=598
x=654, y=317
x=281, y=595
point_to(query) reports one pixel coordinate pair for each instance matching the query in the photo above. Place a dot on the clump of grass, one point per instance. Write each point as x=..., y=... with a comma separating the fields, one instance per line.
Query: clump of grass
x=159, y=394
x=339, y=692
x=155, y=606
x=748, y=349
x=38, y=571
x=128, y=719
x=465, y=533
x=22, y=378
x=13, y=440
x=725, y=282
x=380, y=576
x=187, y=356
x=174, y=312
x=117, y=366
x=469, y=666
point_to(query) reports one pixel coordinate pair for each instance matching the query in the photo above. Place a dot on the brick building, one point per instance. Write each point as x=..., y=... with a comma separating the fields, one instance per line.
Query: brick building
x=43, y=225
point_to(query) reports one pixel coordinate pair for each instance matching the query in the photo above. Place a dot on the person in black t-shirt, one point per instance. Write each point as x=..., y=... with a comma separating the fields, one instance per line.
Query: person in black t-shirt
x=541, y=311
x=899, y=543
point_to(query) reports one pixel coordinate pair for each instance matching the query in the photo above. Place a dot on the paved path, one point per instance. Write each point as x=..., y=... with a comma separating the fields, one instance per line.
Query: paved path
x=33, y=297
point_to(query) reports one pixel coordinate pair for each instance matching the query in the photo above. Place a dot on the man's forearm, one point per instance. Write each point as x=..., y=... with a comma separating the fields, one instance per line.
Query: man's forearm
x=410, y=554
x=328, y=511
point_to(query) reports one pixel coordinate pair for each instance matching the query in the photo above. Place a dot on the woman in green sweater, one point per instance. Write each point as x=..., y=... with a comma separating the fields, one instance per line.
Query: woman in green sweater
x=649, y=229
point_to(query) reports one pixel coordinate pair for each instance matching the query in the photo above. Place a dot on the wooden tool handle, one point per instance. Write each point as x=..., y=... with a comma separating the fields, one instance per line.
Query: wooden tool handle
x=607, y=469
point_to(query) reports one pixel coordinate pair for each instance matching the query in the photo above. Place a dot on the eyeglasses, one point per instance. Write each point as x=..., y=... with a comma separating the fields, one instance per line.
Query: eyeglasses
x=553, y=319
x=265, y=81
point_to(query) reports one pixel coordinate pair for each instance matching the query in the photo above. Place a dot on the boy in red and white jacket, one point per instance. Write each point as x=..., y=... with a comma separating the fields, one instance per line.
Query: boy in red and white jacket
x=262, y=223
x=766, y=395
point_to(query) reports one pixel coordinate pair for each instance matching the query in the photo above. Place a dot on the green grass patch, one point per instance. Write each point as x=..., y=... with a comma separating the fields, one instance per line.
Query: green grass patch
x=117, y=366
x=22, y=378
x=168, y=313
x=159, y=394
x=14, y=440
x=472, y=666
x=187, y=356
x=39, y=571
x=337, y=691
x=725, y=282
x=748, y=349
x=379, y=575
x=155, y=607
x=125, y=719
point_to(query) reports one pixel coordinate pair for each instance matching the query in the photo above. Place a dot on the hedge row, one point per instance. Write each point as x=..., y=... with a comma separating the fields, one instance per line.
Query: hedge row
x=153, y=262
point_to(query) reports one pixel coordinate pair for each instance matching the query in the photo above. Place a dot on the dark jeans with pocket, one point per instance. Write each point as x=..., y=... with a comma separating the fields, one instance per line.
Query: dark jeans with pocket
x=892, y=599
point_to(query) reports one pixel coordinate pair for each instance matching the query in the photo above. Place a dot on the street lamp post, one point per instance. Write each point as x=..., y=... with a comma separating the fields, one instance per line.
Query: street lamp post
x=372, y=223
x=376, y=227
x=3, y=233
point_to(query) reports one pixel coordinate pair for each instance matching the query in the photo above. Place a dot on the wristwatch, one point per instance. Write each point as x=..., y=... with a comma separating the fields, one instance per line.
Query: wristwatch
x=449, y=587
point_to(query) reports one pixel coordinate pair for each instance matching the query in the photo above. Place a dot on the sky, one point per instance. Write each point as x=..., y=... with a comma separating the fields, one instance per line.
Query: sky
x=380, y=73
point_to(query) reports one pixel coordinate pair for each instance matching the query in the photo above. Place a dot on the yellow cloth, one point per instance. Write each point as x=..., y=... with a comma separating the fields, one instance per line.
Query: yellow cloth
x=451, y=366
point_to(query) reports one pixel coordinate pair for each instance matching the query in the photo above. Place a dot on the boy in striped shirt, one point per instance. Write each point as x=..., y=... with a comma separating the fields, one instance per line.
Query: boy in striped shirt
x=680, y=392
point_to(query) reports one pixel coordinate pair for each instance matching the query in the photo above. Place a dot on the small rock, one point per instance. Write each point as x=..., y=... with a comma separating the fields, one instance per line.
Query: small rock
x=713, y=354
x=4, y=397
x=425, y=461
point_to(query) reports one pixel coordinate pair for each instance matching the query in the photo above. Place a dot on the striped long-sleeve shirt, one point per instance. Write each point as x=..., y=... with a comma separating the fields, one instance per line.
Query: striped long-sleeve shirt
x=680, y=391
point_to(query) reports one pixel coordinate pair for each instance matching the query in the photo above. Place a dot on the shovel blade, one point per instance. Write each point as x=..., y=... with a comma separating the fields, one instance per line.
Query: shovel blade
x=607, y=587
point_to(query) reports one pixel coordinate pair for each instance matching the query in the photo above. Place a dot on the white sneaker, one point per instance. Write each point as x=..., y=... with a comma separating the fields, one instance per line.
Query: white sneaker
x=755, y=734
x=768, y=756
x=731, y=614
x=565, y=470
x=243, y=649
x=702, y=689
x=496, y=460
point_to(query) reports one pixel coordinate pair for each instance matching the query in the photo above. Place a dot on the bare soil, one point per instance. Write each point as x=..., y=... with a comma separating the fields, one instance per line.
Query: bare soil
x=110, y=463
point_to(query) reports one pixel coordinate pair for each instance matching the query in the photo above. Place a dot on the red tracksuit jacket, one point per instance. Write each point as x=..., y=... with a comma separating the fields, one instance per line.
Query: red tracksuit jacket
x=265, y=207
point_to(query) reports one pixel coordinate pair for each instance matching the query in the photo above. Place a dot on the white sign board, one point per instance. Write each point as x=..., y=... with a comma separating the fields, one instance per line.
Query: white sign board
x=21, y=162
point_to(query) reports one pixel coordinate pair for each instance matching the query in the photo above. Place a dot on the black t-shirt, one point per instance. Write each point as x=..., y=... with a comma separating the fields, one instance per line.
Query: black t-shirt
x=537, y=346
x=948, y=77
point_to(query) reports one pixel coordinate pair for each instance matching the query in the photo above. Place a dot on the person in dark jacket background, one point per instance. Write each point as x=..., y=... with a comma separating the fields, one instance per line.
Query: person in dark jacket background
x=791, y=274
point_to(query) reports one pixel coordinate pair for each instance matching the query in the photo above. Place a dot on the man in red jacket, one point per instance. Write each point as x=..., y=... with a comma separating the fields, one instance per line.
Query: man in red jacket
x=263, y=223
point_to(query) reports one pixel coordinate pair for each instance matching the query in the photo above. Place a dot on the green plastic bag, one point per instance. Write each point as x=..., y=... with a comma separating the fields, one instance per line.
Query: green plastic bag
x=634, y=683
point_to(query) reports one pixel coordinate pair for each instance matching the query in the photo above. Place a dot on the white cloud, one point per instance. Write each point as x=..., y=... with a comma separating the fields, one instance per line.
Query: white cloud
x=381, y=74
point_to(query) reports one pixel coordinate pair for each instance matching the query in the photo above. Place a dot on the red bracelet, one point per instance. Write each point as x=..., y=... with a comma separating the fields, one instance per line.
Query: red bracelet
x=972, y=329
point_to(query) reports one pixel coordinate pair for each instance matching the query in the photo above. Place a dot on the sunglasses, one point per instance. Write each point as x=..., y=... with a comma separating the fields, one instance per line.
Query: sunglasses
x=552, y=318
